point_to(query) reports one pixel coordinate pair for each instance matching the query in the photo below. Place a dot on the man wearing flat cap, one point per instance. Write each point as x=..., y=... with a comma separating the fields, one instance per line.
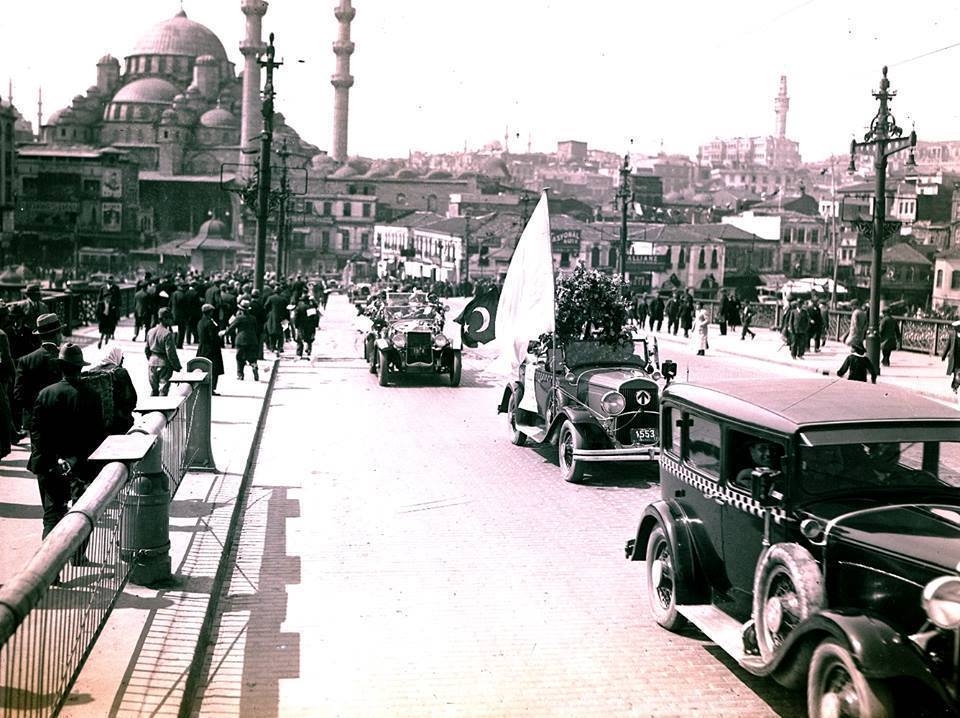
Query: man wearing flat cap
x=67, y=427
x=161, y=351
x=39, y=368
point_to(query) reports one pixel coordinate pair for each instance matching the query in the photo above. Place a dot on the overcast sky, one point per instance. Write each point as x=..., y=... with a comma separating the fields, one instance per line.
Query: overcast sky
x=438, y=75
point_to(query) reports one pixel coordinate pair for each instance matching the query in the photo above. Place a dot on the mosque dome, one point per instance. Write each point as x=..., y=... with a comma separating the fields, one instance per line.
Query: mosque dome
x=406, y=173
x=179, y=36
x=214, y=229
x=345, y=171
x=108, y=59
x=146, y=89
x=218, y=117
x=438, y=175
x=495, y=167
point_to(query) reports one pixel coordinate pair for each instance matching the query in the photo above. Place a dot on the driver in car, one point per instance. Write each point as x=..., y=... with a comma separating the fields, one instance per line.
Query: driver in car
x=763, y=455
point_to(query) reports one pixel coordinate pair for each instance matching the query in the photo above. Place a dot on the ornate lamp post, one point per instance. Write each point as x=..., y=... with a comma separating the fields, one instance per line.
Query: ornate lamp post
x=263, y=186
x=886, y=136
x=623, y=194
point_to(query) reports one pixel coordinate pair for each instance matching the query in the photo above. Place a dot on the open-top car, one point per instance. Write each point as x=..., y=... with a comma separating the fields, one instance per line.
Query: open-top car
x=409, y=339
x=598, y=401
x=811, y=528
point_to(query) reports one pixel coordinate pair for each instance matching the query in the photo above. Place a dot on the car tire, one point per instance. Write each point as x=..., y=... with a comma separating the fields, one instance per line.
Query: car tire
x=835, y=682
x=517, y=437
x=456, y=368
x=662, y=580
x=787, y=589
x=383, y=368
x=570, y=439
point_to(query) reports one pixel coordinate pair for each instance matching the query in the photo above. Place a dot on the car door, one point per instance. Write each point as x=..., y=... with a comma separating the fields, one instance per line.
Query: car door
x=742, y=516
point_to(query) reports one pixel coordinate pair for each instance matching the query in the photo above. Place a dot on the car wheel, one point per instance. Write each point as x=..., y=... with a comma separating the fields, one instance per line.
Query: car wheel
x=383, y=368
x=787, y=589
x=662, y=581
x=836, y=687
x=517, y=437
x=456, y=367
x=570, y=439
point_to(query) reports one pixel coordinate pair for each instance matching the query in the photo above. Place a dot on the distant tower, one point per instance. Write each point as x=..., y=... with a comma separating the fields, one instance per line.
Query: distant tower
x=39, y=113
x=251, y=122
x=780, y=106
x=342, y=81
x=506, y=139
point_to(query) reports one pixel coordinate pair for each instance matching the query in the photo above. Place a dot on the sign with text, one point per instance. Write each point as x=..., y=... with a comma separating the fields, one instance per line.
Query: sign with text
x=565, y=240
x=646, y=262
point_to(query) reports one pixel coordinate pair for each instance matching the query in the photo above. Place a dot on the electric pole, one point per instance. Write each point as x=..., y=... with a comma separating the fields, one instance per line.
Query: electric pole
x=263, y=186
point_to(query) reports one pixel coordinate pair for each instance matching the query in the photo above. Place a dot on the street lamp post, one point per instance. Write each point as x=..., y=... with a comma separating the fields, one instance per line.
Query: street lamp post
x=885, y=135
x=623, y=194
x=282, y=196
x=263, y=186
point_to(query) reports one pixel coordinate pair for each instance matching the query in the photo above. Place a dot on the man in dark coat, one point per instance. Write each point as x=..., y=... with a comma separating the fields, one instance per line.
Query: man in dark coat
x=247, y=341
x=672, y=310
x=723, y=312
x=656, y=313
x=67, y=427
x=889, y=336
x=209, y=343
x=276, y=312
x=39, y=368
x=858, y=365
x=951, y=353
x=306, y=318
x=108, y=310
x=141, y=309
x=180, y=313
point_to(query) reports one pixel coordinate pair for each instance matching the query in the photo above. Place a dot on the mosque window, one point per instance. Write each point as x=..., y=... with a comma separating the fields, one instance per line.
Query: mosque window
x=702, y=263
x=116, y=112
x=166, y=134
x=63, y=132
x=681, y=260
x=713, y=259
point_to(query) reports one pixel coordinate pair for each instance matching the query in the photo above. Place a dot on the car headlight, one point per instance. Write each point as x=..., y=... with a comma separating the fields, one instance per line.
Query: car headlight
x=941, y=601
x=613, y=402
x=399, y=339
x=657, y=376
x=440, y=340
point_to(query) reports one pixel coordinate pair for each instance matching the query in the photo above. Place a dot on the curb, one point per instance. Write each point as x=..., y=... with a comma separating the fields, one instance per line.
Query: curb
x=194, y=675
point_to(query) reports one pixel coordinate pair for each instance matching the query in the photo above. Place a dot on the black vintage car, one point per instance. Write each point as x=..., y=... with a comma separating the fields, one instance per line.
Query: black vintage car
x=811, y=528
x=409, y=339
x=599, y=402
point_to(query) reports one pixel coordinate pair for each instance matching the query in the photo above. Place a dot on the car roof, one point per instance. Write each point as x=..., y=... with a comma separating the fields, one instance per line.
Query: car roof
x=791, y=405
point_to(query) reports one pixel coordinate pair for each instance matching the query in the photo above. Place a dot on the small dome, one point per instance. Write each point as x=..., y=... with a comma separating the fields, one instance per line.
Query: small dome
x=193, y=90
x=218, y=117
x=438, y=175
x=214, y=229
x=322, y=161
x=345, y=171
x=179, y=36
x=406, y=173
x=169, y=116
x=93, y=90
x=146, y=89
x=108, y=60
x=206, y=60
x=54, y=118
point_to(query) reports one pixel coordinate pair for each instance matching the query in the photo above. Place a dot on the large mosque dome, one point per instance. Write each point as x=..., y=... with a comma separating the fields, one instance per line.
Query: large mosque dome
x=180, y=36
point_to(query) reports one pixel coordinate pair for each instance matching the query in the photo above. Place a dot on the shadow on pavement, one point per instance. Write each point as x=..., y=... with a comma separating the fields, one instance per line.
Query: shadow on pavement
x=20, y=511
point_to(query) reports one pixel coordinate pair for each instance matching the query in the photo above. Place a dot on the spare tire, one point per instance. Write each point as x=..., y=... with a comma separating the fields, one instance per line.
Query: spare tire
x=787, y=589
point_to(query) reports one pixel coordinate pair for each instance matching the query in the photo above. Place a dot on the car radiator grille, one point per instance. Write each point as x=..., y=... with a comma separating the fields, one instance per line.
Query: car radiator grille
x=419, y=347
x=636, y=416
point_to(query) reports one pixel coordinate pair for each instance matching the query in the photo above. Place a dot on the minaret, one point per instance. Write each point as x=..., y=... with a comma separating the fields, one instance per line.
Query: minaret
x=342, y=81
x=40, y=113
x=780, y=105
x=251, y=122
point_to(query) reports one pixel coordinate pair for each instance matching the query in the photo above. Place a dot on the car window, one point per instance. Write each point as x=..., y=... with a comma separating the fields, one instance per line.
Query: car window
x=864, y=467
x=703, y=445
x=631, y=352
x=748, y=451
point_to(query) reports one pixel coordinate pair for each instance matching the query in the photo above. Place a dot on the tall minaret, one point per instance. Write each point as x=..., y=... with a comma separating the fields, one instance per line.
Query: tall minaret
x=251, y=121
x=40, y=113
x=780, y=105
x=342, y=81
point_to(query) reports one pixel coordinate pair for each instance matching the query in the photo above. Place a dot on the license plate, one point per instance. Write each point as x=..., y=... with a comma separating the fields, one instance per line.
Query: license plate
x=644, y=436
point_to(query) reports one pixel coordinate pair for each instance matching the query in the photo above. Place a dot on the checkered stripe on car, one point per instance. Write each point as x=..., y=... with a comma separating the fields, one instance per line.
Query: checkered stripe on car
x=738, y=500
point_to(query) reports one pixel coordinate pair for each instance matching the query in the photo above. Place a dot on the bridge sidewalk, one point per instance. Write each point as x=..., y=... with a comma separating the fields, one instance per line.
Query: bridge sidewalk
x=923, y=373
x=140, y=663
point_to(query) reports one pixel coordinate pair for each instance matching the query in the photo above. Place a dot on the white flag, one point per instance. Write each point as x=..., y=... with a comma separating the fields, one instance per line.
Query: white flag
x=526, y=307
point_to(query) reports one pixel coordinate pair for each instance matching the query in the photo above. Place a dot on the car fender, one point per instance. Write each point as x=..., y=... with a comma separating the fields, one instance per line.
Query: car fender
x=584, y=421
x=508, y=391
x=692, y=588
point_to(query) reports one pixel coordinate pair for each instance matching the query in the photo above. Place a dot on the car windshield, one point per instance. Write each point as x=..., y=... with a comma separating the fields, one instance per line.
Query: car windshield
x=630, y=352
x=409, y=311
x=866, y=467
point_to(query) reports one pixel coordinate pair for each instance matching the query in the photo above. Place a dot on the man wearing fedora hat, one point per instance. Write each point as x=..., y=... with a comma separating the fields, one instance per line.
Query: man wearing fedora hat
x=209, y=342
x=67, y=427
x=39, y=368
x=161, y=351
x=33, y=307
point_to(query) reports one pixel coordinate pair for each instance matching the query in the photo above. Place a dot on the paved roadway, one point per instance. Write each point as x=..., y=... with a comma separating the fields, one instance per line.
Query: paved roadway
x=399, y=557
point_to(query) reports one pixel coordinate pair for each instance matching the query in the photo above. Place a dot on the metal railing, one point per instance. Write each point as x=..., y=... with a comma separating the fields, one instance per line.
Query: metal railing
x=52, y=611
x=76, y=307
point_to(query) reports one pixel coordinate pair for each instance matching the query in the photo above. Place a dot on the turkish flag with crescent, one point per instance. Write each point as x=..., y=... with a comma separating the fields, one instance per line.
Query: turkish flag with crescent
x=478, y=319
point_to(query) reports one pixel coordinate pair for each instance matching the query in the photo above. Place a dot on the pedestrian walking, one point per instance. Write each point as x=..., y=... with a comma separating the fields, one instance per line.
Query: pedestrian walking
x=209, y=343
x=746, y=321
x=117, y=393
x=890, y=337
x=247, y=341
x=951, y=353
x=858, y=325
x=67, y=427
x=656, y=313
x=723, y=312
x=640, y=310
x=700, y=325
x=108, y=310
x=38, y=369
x=672, y=311
x=857, y=365
x=687, y=311
x=306, y=318
x=161, y=351
x=816, y=324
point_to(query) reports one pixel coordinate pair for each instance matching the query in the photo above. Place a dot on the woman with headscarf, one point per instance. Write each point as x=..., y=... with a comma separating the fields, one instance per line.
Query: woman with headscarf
x=123, y=394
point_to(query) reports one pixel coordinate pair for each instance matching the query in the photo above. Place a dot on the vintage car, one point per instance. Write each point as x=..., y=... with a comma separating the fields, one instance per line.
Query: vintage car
x=599, y=402
x=409, y=339
x=811, y=529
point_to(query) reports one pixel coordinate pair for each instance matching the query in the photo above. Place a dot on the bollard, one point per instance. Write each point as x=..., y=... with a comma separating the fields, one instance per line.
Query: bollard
x=145, y=522
x=198, y=446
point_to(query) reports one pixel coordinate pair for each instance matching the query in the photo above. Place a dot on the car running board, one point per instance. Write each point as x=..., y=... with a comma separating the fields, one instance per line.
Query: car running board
x=535, y=433
x=722, y=629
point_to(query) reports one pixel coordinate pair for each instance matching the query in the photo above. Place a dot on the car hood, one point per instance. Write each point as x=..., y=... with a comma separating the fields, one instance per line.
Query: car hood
x=610, y=377
x=924, y=534
x=413, y=325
